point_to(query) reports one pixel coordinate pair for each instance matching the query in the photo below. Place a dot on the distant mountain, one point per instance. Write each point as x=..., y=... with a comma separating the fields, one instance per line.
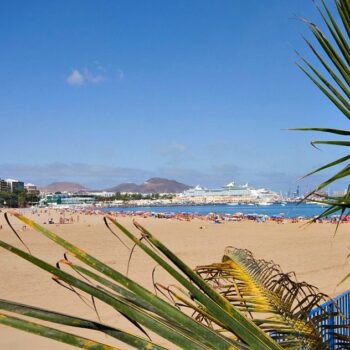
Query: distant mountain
x=153, y=185
x=125, y=187
x=63, y=187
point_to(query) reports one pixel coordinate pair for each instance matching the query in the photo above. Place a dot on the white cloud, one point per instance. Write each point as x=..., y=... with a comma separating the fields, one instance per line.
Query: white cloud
x=75, y=78
x=79, y=78
x=93, y=78
x=97, y=75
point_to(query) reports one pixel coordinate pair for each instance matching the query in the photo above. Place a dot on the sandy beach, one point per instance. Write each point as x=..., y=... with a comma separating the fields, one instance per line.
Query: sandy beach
x=312, y=252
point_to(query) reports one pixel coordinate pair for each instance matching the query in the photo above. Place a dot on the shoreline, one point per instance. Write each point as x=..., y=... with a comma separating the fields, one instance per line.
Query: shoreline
x=215, y=217
x=227, y=212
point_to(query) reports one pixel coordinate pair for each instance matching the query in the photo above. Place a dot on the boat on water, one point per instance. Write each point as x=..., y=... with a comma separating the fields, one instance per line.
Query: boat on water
x=231, y=194
x=313, y=203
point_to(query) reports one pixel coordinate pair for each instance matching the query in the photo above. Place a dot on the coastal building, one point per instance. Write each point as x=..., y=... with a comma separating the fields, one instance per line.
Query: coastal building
x=231, y=193
x=296, y=193
x=339, y=193
x=4, y=186
x=78, y=200
x=31, y=189
x=15, y=185
x=103, y=194
x=66, y=199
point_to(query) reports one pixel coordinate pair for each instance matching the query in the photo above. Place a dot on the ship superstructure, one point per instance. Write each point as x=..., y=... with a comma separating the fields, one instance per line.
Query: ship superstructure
x=230, y=193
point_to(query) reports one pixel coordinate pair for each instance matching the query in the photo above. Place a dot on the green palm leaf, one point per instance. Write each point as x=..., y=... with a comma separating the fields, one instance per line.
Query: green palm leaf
x=334, y=58
x=199, y=338
x=73, y=321
x=332, y=131
x=225, y=319
x=52, y=333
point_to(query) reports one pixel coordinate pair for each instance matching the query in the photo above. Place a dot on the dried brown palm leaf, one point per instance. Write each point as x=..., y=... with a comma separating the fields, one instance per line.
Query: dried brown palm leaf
x=274, y=300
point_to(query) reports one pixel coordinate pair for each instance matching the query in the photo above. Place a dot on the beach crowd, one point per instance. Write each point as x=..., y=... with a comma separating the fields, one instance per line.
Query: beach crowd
x=73, y=215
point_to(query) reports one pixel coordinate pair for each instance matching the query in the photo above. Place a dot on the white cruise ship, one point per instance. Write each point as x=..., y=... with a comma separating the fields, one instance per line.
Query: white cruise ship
x=231, y=193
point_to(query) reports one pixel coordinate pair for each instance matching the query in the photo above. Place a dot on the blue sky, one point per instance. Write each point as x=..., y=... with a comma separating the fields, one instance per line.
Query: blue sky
x=103, y=92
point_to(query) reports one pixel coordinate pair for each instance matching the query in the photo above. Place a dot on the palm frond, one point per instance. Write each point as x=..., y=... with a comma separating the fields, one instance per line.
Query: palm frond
x=55, y=334
x=332, y=131
x=77, y=322
x=272, y=299
x=328, y=165
x=144, y=308
x=333, y=55
x=241, y=303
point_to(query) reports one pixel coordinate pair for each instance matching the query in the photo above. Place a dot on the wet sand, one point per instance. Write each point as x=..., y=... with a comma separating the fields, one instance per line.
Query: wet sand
x=311, y=252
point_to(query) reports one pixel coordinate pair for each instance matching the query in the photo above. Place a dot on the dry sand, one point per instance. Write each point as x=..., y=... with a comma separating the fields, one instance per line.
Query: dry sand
x=312, y=253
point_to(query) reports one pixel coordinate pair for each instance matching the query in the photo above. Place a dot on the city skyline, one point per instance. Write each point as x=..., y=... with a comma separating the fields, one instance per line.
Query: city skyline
x=299, y=190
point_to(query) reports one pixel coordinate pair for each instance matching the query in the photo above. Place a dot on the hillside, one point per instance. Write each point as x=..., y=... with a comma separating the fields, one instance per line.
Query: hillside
x=153, y=185
x=63, y=187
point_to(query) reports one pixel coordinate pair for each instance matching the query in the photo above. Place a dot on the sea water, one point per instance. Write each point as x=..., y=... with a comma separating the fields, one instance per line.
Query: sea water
x=289, y=210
